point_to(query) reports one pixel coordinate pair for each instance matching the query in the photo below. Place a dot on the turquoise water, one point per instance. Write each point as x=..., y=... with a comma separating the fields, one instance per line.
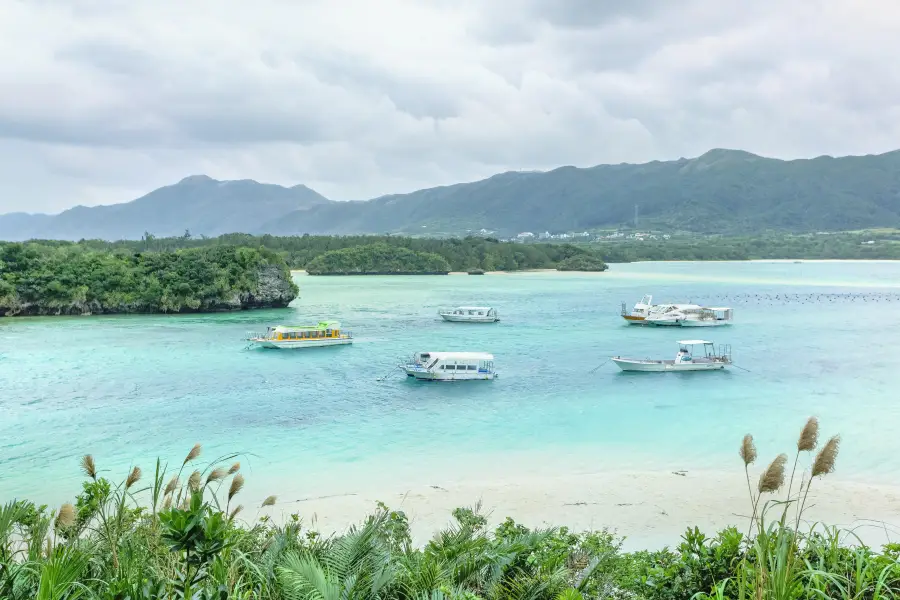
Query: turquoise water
x=816, y=338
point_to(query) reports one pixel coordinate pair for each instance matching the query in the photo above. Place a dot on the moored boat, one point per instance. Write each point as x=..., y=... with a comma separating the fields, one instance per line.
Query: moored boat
x=470, y=314
x=326, y=333
x=712, y=359
x=682, y=315
x=450, y=366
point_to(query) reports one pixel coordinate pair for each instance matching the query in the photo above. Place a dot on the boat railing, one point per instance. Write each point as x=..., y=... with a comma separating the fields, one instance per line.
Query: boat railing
x=624, y=310
x=724, y=352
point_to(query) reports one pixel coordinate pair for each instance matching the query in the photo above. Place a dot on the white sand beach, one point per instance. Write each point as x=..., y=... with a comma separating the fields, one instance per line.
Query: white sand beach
x=651, y=509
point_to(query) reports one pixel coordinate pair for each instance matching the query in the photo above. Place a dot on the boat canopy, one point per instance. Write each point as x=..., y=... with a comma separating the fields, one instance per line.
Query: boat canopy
x=321, y=326
x=695, y=342
x=472, y=308
x=458, y=355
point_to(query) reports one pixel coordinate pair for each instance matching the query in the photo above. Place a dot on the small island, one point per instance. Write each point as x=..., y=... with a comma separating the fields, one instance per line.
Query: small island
x=61, y=278
x=378, y=259
x=582, y=262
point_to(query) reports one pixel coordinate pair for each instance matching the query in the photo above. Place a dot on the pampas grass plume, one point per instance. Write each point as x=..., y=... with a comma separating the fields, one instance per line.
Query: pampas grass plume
x=772, y=478
x=748, y=450
x=194, y=481
x=809, y=437
x=270, y=501
x=133, y=477
x=825, y=459
x=236, y=484
x=89, y=466
x=65, y=518
x=194, y=453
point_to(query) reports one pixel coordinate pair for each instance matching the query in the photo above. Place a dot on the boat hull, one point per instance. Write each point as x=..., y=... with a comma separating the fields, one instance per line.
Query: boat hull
x=666, y=366
x=420, y=374
x=469, y=319
x=704, y=323
x=295, y=344
x=634, y=319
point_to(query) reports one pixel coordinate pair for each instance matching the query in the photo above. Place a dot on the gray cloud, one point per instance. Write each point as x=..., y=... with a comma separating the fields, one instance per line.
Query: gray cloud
x=108, y=99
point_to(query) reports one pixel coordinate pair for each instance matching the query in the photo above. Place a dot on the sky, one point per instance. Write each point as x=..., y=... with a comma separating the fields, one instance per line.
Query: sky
x=105, y=100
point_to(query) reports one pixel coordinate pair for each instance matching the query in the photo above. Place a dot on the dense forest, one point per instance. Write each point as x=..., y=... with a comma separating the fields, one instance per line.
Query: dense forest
x=178, y=532
x=377, y=259
x=40, y=279
x=811, y=247
x=461, y=254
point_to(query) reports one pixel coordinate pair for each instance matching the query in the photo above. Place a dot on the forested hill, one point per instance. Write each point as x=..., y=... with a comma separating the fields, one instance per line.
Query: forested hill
x=722, y=191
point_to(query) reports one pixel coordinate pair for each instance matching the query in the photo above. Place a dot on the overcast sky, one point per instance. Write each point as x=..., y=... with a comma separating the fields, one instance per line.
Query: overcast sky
x=105, y=100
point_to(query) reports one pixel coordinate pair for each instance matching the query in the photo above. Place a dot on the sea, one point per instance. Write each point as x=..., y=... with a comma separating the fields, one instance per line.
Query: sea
x=809, y=338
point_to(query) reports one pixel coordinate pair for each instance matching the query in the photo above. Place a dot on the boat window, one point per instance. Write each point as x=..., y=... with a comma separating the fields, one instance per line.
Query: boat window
x=472, y=367
x=481, y=312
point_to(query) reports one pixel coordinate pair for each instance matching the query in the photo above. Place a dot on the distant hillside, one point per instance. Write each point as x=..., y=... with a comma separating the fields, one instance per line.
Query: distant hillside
x=722, y=191
x=198, y=203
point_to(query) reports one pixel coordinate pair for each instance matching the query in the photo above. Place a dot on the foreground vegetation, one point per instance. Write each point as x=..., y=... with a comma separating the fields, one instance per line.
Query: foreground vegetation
x=187, y=540
x=53, y=279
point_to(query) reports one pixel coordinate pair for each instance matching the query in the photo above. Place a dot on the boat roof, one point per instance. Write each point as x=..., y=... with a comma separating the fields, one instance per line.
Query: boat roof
x=718, y=308
x=321, y=325
x=460, y=355
x=472, y=307
x=693, y=342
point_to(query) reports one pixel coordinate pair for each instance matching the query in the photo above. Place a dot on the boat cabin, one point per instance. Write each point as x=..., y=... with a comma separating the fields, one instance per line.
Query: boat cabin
x=324, y=330
x=474, y=362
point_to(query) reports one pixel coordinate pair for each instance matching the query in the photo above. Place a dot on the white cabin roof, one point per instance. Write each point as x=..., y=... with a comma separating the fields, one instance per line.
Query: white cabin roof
x=693, y=342
x=718, y=308
x=472, y=308
x=459, y=355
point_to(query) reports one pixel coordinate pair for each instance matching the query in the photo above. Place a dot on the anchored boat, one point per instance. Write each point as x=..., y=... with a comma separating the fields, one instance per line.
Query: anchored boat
x=711, y=359
x=683, y=315
x=326, y=333
x=470, y=314
x=450, y=366
x=691, y=316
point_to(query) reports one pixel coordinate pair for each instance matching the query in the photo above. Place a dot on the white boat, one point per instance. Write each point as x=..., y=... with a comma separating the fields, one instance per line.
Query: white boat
x=686, y=360
x=645, y=309
x=682, y=315
x=326, y=333
x=470, y=314
x=450, y=366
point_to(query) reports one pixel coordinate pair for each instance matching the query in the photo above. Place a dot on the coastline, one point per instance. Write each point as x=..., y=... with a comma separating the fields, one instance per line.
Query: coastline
x=651, y=509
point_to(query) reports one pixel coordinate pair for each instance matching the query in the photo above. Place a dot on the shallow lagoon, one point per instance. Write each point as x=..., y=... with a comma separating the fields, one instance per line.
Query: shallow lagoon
x=816, y=338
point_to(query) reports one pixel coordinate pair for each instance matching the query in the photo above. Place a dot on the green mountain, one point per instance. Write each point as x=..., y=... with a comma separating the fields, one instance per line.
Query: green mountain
x=197, y=203
x=722, y=191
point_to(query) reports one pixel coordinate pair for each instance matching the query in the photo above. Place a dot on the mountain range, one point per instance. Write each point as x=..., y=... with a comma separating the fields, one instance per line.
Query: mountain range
x=722, y=191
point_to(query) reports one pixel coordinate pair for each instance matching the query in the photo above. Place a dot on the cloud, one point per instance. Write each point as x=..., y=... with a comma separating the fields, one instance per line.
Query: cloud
x=105, y=99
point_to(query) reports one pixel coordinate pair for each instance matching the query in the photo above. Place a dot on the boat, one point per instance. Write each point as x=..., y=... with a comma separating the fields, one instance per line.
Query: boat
x=450, y=366
x=713, y=359
x=470, y=314
x=690, y=316
x=684, y=315
x=326, y=333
